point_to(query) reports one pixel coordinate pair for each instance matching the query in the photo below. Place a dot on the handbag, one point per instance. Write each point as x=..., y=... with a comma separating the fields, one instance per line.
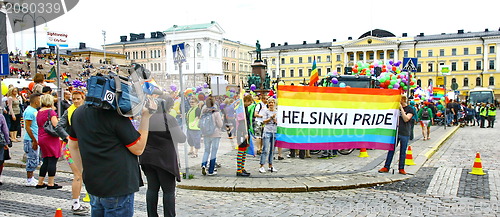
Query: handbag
x=6, y=154
x=48, y=127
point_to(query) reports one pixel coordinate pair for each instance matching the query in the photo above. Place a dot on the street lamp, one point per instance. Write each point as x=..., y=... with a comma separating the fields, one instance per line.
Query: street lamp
x=104, y=46
x=34, y=18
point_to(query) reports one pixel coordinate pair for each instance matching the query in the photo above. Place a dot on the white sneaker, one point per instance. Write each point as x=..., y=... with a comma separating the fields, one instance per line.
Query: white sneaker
x=262, y=170
x=272, y=169
x=212, y=174
x=31, y=183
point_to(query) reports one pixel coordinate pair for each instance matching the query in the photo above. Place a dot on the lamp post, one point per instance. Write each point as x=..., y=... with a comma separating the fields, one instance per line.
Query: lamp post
x=34, y=18
x=104, y=46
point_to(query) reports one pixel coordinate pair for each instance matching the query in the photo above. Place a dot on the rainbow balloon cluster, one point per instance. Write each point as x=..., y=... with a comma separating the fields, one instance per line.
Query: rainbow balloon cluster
x=391, y=76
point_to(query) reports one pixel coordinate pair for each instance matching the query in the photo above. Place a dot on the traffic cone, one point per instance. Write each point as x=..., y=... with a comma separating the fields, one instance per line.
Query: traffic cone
x=409, y=157
x=58, y=213
x=477, y=169
x=86, y=198
x=363, y=153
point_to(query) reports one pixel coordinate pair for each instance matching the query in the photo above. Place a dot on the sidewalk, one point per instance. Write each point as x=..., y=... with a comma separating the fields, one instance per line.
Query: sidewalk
x=294, y=174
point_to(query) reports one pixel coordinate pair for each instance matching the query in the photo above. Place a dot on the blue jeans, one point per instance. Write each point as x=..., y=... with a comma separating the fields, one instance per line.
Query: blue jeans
x=268, y=141
x=211, y=147
x=403, y=141
x=32, y=156
x=122, y=206
x=449, y=118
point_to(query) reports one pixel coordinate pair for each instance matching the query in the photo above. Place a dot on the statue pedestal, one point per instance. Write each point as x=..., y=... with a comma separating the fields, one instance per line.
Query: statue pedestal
x=259, y=69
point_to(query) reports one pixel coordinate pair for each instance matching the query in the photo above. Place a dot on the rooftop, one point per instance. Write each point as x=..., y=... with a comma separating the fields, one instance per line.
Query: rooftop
x=191, y=27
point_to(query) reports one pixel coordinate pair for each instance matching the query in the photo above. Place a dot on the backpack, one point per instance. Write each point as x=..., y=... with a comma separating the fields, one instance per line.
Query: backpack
x=206, y=124
x=425, y=114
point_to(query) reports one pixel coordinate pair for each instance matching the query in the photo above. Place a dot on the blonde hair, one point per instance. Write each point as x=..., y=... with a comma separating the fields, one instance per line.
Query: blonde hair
x=9, y=93
x=271, y=100
x=47, y=100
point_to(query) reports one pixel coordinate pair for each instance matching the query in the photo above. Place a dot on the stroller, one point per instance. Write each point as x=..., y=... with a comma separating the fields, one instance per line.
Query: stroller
x=461, y=118
x=439, y=119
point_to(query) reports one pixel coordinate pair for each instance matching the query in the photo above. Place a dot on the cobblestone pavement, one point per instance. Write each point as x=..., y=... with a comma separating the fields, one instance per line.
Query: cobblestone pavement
x=442, y=187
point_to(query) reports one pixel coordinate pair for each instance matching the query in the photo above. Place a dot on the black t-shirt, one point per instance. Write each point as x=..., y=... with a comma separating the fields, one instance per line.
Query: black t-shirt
x=109, y=168
x=404, y=127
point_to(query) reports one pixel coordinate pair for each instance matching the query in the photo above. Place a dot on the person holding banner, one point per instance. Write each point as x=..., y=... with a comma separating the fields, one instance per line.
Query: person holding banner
x=406, y=113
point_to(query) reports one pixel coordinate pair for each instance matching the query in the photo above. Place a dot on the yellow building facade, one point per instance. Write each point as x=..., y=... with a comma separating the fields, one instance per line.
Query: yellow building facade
x=473, y=57
x=236, y=61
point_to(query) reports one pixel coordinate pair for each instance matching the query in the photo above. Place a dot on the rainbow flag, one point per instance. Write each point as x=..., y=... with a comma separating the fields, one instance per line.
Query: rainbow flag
x=438, y=93
x=326, y=118
x=314, y=74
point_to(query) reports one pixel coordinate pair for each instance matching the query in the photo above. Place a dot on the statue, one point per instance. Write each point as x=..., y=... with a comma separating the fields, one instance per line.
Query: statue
x=259, y=51
x=267, y=82
x=258, y=82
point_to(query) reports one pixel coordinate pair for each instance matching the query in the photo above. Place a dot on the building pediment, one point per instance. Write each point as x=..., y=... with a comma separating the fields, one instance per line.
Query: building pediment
x=371, y=41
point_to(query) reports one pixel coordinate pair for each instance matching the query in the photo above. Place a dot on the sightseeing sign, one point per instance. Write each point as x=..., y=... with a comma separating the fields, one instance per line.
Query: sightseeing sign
x=57, y=39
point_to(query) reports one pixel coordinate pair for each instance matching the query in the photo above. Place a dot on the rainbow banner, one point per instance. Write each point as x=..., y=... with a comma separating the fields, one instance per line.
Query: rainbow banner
x=438, y=93
x=327, y=118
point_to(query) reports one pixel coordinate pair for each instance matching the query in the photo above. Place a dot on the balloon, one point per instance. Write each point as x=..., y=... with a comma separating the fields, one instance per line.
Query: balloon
x=5, y=88
x=205, y=85
x=253, y=87
x=335, y=81
x=188, y=92
x=51, y=62
x=391, y=62
x=342, y=84
x=199, y=89
x=355, y=70
x=30, y=86
x=173, y=87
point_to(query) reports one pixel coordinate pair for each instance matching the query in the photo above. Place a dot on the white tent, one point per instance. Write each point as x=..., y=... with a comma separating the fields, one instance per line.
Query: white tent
x=20, y=83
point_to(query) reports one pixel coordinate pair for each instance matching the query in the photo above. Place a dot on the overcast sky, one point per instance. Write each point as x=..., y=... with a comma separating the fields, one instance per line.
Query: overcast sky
x=269, y=21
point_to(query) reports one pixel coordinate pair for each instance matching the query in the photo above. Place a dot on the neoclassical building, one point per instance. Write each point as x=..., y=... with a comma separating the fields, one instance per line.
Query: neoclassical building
x=207, y=54
x=472, y=56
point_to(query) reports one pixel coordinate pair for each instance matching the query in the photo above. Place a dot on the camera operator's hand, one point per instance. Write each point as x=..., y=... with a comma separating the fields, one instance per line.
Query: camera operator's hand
x=150, y=107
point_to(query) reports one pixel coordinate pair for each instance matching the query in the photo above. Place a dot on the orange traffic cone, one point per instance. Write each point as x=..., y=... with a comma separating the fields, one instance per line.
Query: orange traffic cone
x=363, y=153
x=409, y=157
x=58, y=213
x=477, y=169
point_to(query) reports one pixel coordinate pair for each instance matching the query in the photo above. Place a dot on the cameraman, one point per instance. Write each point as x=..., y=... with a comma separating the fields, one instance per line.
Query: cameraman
x=105, y=145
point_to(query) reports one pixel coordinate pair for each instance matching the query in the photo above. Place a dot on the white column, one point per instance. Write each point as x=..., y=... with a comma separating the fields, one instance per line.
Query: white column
x=375, y=56
x=364, y=57
x=396, y=56
x=346, y=60
x=385, y=56
x=355, y=57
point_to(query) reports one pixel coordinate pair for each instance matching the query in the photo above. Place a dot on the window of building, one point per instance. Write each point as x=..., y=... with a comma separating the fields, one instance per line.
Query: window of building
x=405, y=54
x=274, y=73
x=441, y=52
x=492, y=49
x=351, y=57
x=429, y=67
x=429, y=53
x=419, y=53
x=241, y=67
x=370, y=56
x=152, y=67
x=300, y=59
x=491, y=81
x=328, y=70
x=233, y=53
x=328, y=58
x=309, y=59
x=419, y=67
x=209, y=49
x=282, y=60
x=478, y=65
x=453, y=51
x=319, y=59
x=187, y=50
x=273, y=61
x=478, y=82
x=291, y=60
x=453, y=66
x=419, y=82
x=466, y=51
x=466, y=82
x=198, y=49
x=319, y=71
x=492, y=64
x=429, y=83
x=215, y=50
x=360, y=57
x=381, y=55
x=339, y=69
x=391, y=55
x=301, y=73
x=466, y=66
x=453, y=80
x=338, y=57
x=233, y=66
x=283, y=73
x=478, y=50
x=187, y=66
x=234, y=79
x=292, y=73
x=309, y=72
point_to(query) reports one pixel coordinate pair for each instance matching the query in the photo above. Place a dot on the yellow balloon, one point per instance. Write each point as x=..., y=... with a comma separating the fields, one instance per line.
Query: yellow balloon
x=5, y=88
